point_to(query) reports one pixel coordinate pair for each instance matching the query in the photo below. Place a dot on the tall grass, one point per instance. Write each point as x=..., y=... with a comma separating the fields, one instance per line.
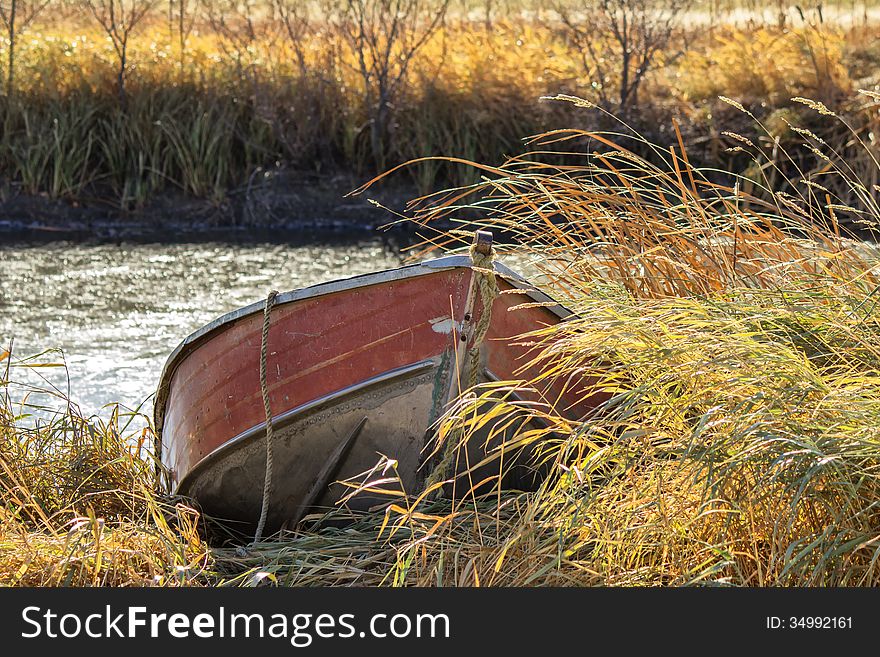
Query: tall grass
x=236, y=104
x=738, y=339
x=80, y=505
x=202, y=131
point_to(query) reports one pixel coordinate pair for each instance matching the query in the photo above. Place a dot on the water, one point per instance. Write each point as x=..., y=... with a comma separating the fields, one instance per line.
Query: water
x=117, y=310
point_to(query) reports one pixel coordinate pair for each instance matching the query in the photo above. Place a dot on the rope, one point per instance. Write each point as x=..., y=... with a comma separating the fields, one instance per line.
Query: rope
x=264, y=388
x=488, y=286
x=484, y=273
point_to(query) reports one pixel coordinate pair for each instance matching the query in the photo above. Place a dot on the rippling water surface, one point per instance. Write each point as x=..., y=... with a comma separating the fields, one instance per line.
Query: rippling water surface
x=118, y=309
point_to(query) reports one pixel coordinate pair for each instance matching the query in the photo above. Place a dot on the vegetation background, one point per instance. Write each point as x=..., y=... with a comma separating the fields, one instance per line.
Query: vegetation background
x=236, y=112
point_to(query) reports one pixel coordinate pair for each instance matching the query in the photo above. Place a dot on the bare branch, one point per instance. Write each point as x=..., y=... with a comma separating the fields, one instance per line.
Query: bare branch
x=384, y=36
x=118, y=18
x=638, y=30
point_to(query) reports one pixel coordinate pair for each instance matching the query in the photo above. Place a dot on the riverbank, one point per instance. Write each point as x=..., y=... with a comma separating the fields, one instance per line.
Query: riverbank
x=278, y=201
x=740, y=449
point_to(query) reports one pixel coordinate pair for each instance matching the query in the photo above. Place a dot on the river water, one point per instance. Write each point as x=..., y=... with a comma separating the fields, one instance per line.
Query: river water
x=117, y=309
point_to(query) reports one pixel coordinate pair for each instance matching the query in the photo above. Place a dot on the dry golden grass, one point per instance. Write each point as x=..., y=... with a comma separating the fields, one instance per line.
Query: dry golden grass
x=80, y=505
x=768, y=65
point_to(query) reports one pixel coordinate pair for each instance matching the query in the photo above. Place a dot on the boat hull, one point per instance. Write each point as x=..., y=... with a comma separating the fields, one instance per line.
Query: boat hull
x=371, y=360
x=397, y=411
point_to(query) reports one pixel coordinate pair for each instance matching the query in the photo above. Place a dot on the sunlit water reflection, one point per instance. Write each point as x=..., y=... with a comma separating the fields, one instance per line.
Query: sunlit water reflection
x=117, y=310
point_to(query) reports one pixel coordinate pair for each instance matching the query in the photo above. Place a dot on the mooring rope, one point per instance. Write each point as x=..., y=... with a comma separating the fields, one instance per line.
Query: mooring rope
x=264, y=388
x=484, y=271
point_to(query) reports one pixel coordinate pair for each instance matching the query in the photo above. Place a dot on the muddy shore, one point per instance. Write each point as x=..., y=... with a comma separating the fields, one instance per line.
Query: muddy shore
x=284, y=202
x=280, y=203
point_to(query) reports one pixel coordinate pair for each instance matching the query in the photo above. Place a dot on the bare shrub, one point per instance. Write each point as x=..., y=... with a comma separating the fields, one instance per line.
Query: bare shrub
x=239, y=25
x=119, y=18
x=384, y=36
x=620, y=41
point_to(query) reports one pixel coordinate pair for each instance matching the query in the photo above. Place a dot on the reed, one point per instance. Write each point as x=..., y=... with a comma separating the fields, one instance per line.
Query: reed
x=203, y=114
x=204, y=129
x=80, y=504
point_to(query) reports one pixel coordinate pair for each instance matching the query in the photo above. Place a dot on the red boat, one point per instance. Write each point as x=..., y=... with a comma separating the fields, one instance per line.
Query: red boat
x=354, y=368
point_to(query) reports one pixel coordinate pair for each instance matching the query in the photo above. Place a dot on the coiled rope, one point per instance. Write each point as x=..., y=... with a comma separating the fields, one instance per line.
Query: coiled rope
x=264, y=388
x=484, y=273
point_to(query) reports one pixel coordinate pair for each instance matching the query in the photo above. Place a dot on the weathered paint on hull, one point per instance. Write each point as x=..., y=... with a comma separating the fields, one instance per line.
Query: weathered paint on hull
x=316, y=347
x=397, y=414
x=384, y=347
